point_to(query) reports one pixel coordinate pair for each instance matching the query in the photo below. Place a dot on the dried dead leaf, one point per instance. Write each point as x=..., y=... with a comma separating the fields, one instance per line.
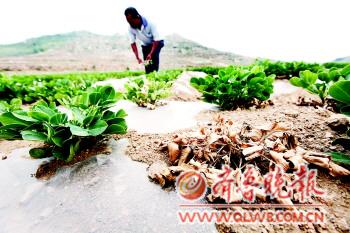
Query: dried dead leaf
x=255, y=135
x=290, y=141
x=317, y=160
x=160, y=173
x=251, y=150
x=174, y=152
x=253, y=156
x=178, y=169
x=336, y=170
x=269, y=143
x=289, y=153
x=196, y=165
x=295, y=162
x=220, y=143
x=180, y=140
x=185, y=155
x=275, y=126
x=278, y=158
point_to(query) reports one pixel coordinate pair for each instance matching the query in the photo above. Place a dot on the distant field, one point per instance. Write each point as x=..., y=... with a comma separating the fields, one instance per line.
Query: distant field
x=84, y=51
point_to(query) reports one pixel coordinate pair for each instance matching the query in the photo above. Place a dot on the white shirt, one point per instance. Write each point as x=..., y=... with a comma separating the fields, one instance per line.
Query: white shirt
x=147, y=34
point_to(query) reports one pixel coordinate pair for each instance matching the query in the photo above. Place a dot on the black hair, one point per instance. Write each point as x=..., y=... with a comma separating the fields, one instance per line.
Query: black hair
x=131, y=11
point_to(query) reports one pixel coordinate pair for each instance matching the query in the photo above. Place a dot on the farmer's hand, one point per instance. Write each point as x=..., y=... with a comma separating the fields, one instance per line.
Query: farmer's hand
x=149, y=57
x=139, y=60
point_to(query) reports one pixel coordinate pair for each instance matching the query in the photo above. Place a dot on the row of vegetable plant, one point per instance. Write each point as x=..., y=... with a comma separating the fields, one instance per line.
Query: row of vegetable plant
x=52, y=87
x=235, y=86
x=64, y=135
x=319, y=82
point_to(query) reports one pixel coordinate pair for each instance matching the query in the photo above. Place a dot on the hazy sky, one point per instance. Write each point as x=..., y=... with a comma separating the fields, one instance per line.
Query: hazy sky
x=312, y=30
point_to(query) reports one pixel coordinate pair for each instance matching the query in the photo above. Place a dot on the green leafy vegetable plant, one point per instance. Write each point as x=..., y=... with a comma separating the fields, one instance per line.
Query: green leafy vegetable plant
x=212, y=70
x=319, y=83
x=52, y=87
x=310, y=81
x=165, y=76
x=90, y=121
x=146, y=92
x=340, y=91
x=235, y=87
x=287, y=69
x=14, y=104
x=334, y=74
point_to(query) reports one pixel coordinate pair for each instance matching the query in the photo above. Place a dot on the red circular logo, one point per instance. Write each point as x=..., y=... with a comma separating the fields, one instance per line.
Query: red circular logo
x=191, y=185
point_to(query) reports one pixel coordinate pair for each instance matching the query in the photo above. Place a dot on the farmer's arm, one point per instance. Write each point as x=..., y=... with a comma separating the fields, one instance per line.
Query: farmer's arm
x=156, y=39
x=154, y=47
x=134, y=49
x=132, y=37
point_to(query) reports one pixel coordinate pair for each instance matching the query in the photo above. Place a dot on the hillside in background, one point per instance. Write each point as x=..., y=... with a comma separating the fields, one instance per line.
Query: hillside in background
x=88, y=51
x=343, y=59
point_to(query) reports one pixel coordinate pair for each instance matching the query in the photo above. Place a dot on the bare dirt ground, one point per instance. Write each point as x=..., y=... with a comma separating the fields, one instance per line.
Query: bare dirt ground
x=61, y=61
x=309, y=124
x=6, y=147
x=120, y=62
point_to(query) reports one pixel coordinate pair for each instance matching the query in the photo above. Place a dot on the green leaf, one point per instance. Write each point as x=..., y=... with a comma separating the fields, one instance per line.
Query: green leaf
x=98, y=128
x=3, y=106
x=43, y=107
x=50, y=132
x=59, y=119
x=82, y=100
x=346, y=70
x=94, y=98
x=340, y=158
x=116, y=129
x=78, y=114
x=257, y=69
x=118, y=96
x=39, y=153
x=296, y=82
x=33, y=135
x=73, y=149
x=9, y=134
x=308, y=76
x=88, y=120
x=16, y=103
x=116, y=121
x=41, y=116
x=108, y=115
x=60, y=153
x=17, y=127
x=23, y=116
x=78, y=131
x=341, y=91
x=108, y=93
x=61, y=136
x=119, y=128
x=8, y=118
x=121, y=114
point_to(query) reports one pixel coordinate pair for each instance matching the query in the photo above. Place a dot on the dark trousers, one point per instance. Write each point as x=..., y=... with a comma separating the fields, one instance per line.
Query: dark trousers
x=146, y=49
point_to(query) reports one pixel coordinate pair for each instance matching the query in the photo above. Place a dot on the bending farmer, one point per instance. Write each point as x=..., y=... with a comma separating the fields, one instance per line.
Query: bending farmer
x=151, y=43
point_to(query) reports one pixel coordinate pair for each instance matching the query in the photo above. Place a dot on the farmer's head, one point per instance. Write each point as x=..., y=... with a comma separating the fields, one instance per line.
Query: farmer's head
x=133, y=17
